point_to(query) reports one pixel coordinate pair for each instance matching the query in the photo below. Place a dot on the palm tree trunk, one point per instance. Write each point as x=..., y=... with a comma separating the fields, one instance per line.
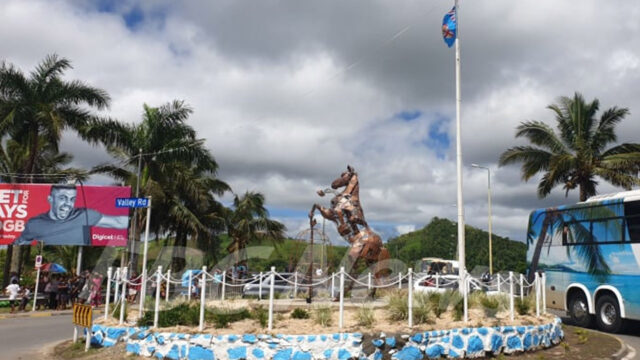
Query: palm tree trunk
x=178, y=261
x=16, y=263
x=538, y=250
x=7, y=266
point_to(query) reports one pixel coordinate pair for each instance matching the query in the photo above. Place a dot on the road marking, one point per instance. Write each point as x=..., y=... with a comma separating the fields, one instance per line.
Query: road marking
x=631, y=354
x=40, y=314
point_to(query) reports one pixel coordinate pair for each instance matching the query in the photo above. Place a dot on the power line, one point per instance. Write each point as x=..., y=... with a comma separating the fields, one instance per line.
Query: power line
x=63, y=175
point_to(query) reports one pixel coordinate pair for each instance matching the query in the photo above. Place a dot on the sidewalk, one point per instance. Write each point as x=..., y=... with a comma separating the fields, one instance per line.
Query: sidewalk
x=44, y=313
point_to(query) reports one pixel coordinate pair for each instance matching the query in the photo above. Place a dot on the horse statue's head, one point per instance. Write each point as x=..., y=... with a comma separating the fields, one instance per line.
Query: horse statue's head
x=344, y=178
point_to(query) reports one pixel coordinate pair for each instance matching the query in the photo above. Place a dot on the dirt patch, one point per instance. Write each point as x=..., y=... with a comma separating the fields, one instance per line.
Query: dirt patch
x=66, y=350
x=284, y=324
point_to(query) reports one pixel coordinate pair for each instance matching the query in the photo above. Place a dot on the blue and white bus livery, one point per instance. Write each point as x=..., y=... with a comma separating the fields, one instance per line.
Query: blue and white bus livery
x=590, y=253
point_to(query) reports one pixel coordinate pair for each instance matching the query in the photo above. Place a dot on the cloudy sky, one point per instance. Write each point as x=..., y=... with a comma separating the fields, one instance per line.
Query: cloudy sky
x=287, y=93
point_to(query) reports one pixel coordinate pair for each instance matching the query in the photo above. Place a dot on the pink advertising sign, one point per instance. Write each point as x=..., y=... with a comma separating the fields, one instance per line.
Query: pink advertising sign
x=82, y=215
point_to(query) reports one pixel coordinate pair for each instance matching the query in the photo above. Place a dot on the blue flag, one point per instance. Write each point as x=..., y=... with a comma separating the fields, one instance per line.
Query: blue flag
x=449, y=27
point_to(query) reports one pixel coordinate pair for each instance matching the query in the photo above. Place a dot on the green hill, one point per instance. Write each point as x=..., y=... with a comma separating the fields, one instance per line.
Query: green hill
x=439, y=239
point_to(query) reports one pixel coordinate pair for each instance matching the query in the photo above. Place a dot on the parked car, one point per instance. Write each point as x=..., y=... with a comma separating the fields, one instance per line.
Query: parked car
x=280, y=286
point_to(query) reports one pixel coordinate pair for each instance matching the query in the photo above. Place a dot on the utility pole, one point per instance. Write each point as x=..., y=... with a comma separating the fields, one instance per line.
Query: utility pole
x=133, y=255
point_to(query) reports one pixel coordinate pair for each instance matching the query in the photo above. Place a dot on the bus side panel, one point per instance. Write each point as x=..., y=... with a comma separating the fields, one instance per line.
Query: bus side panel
x=555, y=288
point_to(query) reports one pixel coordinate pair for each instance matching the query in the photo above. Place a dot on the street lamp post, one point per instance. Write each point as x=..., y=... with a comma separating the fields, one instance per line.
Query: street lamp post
x=489, y=196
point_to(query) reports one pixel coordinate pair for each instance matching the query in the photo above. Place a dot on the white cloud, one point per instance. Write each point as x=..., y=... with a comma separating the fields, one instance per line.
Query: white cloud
x=287, y=93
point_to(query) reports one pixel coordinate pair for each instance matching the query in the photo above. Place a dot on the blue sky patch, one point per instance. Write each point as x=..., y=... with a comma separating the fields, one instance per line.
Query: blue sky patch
x=133, y=18
x=438, y=138
x=409, y=115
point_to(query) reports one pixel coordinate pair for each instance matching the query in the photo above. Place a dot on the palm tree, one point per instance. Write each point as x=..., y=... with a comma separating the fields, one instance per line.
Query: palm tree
x=577, y=155
x=176, y=169
x=248, y=221
x=40, y=107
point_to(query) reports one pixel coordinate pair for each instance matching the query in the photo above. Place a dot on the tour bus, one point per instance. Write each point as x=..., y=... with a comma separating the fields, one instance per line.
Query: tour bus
x=590, y=254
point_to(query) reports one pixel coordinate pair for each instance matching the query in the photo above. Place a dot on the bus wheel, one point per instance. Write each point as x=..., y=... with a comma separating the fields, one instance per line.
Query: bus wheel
x=579, y=309
x=608, y=314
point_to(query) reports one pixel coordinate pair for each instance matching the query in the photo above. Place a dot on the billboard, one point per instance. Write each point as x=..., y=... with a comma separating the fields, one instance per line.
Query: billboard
x=63, y=215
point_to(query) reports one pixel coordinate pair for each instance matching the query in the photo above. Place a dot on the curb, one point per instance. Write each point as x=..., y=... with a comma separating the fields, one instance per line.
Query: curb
x=43, y=314
x=625, y=352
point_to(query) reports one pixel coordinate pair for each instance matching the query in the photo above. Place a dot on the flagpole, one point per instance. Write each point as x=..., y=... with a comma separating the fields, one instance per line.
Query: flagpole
x=461, y=239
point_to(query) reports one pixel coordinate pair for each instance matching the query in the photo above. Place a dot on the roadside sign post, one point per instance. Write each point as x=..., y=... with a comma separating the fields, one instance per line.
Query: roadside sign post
x=35, y=290
x=140, y=203
x=83, y=317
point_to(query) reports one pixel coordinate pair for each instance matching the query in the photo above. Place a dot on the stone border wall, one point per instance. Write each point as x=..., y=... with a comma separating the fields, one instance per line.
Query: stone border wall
x=455, y=343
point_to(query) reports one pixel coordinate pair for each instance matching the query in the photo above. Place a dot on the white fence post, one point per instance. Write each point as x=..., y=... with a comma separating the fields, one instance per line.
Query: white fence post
x=123, y=295
x=203, y=290
x=437, y=281
x=465, y=295
x=498, y=283
x=521, y=286
x=271, y=281
x=295, y=284
x=35, y=290
x=410, y=297
x=168, y=285
x=224, y=285
x=369, y=281
x=190, y=285
x=341, y=321
x=333, y=276
x=106, y=301
x=156, y=308
x=537, y=282
x=400, y=280
x=544, y=293
x=260, y=287
x=116, y=278
x=511, y=294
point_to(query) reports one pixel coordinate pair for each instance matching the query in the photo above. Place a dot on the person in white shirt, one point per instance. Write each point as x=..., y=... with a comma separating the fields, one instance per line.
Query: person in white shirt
x=13, y=291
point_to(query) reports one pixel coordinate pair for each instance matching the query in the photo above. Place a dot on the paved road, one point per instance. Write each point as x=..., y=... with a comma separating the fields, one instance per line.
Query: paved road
x=631, y=336
x=21, y=337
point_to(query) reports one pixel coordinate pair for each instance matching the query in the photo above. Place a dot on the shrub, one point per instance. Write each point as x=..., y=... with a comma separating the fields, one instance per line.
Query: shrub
x=437, y=304
x=476, y=298
x=222, y=317
x=421, y=307
x=260, y=314
x=365, y=316
x=397, y=305
x=458, y=310
x=322, y=316
x=299, y=313
x=523, y=306
x=490, y=305
x=450, y=298
x=503, y=301
x=116, y=312
x=182, y=314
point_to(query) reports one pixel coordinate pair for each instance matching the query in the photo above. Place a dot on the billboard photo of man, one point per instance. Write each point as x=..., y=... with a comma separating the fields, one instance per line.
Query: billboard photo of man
x=66, y=224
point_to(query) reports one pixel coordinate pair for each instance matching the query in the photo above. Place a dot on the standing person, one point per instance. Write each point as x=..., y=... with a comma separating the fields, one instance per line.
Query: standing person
x=63, y=293
x=96, y=289
x=12, y=290
x=25, y=295
x=85, y=288
x=14, y=276
x=53, y=292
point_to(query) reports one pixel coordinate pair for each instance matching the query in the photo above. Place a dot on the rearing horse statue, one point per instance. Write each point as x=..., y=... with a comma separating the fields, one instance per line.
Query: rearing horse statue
x=346, y=212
